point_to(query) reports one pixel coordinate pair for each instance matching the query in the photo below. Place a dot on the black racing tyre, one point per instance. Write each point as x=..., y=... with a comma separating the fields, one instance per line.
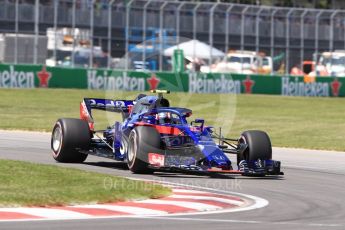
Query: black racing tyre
x=142, y=141
x=68, y=135
x=259, y=146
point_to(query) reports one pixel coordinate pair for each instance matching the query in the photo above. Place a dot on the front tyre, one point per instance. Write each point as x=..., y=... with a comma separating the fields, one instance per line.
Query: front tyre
x=142, y=141
x=258, y=146
x=68, y=136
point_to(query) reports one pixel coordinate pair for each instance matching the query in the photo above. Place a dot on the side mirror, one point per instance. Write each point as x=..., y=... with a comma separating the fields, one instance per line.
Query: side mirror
x=198, y=121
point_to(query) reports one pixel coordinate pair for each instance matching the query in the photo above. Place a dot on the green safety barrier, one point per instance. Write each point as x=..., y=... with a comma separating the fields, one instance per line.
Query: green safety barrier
x=38, y=76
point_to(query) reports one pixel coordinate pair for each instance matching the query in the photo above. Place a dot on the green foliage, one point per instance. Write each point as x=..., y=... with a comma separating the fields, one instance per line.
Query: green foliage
x=28, y=184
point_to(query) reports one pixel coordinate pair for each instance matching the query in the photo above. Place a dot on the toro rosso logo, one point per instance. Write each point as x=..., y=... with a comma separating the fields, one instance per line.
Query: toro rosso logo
x=107, y=103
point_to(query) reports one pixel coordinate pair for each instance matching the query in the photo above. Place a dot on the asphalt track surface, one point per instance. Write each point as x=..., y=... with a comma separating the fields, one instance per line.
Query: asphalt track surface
x=309, y=196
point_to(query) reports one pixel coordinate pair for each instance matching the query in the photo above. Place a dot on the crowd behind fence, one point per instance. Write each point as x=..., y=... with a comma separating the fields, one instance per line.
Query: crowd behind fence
x=116, y=26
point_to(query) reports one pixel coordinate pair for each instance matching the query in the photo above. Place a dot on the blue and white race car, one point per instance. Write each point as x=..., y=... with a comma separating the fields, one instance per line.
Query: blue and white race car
x=156, y=137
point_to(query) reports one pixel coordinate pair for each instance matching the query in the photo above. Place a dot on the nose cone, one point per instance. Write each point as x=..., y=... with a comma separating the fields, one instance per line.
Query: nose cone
x=215, y=156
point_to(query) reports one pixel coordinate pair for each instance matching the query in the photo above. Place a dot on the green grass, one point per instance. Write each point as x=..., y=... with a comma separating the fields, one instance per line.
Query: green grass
x=316, y=123
x=28, y=184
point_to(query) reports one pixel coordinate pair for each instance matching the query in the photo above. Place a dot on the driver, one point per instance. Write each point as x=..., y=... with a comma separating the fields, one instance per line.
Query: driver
x=163, y=118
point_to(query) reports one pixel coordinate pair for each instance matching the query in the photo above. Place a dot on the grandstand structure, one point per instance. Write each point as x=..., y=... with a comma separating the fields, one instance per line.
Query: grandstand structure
x=294, y=33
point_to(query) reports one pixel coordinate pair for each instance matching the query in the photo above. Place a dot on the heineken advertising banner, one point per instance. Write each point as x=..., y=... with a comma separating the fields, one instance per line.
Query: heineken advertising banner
x=34, y=76
x=37, y=76
x=266, y=84
x=133, y=80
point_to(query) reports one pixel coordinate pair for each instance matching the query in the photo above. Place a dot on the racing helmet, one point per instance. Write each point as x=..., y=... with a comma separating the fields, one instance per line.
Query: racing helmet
x=163, y=118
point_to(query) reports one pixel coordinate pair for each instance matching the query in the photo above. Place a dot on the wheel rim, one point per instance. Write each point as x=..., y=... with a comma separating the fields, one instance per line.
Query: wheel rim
x=242, y=140
x=57, y=139
x=132, y=147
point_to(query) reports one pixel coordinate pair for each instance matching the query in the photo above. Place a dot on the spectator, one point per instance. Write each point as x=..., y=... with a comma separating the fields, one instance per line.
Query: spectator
x=296, y=70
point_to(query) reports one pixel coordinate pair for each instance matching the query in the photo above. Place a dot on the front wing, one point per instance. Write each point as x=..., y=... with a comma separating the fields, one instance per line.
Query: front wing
x=188, y=165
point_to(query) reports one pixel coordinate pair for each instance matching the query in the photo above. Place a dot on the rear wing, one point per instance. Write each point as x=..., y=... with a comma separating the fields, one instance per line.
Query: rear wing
x=118, y=106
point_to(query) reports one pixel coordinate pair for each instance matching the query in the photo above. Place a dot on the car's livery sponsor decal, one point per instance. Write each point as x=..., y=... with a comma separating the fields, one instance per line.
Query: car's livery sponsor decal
x=156, y=159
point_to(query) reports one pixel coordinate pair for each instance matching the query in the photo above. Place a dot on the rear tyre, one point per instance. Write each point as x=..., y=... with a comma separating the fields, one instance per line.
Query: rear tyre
x=259, y=146
x=68, y=136
x=142, y=141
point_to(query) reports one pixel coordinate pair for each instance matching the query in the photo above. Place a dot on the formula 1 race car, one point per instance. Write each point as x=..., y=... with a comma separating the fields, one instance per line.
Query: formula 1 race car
x=156, y=137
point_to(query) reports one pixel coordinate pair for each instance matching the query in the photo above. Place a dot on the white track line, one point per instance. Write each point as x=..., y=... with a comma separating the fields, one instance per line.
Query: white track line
x=253, y=202
x=47, y=212
x=186, y=204
x=250, y=203
x=189, y=191
x=223, y=200
x=126, y=209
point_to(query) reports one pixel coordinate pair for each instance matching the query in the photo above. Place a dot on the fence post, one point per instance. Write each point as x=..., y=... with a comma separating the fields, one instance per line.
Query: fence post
x=194, y=27
x=91, y=31
x=317, y=35
x=257, y=30
x=242, y=33
x=161, y=20
x=344, y=35
x=56, y=4
x=178, y=22
x=287, y=40
x=110, y=11
x=37, y=11
x=272, y=35
x=144, y=32
x=128, y=10
x=331, y=32
x=227, y=28
x=16, y=34
x=73, y=31
x=302, y=36
x=242, y=27
x=211, y=30
x=317, y=31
